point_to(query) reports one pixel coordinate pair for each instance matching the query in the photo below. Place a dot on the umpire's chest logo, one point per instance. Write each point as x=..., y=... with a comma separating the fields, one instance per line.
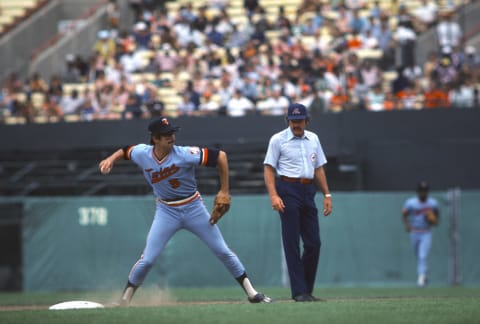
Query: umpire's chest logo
x=164, y=173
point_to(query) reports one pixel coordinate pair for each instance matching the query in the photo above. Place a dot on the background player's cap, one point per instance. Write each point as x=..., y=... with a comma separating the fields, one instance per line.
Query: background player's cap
x=297, y=111
x=161, y=126
x=422, y=186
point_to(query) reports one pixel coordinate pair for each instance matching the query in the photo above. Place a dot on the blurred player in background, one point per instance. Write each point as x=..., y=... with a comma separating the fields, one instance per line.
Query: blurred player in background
x=419, y=214
x=170, y=170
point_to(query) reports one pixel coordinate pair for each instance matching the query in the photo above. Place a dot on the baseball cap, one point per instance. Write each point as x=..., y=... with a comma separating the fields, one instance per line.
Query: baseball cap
x=297, y=111
x=161, y=126
x=422, y=186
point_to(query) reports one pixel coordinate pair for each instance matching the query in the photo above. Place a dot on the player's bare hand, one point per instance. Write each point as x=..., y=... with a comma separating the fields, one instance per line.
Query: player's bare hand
x=105, y=166
x=327, y=206
x=408, y=228
x=277, y=204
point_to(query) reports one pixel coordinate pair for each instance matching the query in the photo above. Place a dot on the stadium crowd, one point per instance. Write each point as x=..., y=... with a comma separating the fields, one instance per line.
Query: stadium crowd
x=331, y=56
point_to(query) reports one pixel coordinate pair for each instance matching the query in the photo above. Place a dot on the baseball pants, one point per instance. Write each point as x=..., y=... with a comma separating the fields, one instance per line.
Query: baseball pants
x=421, y=242
x=193, y=217
x=300, y=220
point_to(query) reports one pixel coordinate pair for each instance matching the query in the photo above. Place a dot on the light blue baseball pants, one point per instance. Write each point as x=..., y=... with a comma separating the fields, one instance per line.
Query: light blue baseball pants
x=421, y=242
x=193, y=217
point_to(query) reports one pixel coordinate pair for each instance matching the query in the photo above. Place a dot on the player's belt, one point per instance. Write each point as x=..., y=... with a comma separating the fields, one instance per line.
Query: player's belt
x=297, y=180
x=180, y=201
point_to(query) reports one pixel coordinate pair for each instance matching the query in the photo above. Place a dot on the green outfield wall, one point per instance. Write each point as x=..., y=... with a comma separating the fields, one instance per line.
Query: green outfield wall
x=91, y=243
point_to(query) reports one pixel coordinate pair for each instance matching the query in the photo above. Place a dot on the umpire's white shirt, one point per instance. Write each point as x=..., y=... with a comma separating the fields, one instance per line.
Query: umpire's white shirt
x=295, y=157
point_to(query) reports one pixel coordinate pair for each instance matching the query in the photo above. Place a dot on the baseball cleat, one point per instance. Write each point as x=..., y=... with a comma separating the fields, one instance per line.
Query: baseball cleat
x=259, y=298
x=316, y=299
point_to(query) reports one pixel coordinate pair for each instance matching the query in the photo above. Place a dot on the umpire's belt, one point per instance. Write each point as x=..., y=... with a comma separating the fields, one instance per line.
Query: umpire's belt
x=179, y=201
x=298, y=180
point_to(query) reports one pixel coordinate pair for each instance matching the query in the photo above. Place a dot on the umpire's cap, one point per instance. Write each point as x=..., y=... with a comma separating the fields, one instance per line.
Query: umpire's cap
x=297, y=111
x=423, y=186
x=161, y=126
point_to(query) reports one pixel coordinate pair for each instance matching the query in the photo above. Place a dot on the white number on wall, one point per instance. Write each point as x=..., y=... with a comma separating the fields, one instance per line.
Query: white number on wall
x=91, y=216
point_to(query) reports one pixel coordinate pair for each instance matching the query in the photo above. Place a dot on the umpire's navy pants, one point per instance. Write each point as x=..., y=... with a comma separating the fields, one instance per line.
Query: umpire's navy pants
x=300, y=220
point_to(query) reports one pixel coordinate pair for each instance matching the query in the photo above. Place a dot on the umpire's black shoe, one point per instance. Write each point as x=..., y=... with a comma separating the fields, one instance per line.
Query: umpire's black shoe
x=316, y=299
x=259, y=298
x=303, y=298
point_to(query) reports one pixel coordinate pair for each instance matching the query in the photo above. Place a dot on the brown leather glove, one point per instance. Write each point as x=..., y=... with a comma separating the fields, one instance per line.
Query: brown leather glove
x=221, y=205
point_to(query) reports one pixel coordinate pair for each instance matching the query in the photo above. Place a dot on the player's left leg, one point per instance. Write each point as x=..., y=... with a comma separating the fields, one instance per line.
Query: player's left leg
x=425, y=242
x=197, y=222
x=310, y=233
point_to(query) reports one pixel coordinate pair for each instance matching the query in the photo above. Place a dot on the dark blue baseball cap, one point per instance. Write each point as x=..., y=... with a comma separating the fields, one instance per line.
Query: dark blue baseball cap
x=297, y=111
x=161, y=126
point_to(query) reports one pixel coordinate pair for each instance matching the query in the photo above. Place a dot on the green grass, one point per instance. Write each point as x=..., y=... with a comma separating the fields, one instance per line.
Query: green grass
x=228, y=305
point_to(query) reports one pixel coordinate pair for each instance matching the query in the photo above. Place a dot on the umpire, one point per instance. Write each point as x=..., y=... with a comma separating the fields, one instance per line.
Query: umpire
x=296, y=156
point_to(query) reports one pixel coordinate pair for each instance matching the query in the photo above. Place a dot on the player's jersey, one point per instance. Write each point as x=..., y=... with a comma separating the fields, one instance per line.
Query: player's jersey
x=417, y=211
x=173, y=177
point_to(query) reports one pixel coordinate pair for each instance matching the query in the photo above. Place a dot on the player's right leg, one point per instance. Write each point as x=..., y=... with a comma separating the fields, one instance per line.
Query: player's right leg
x=165, y=224
x=198, y=224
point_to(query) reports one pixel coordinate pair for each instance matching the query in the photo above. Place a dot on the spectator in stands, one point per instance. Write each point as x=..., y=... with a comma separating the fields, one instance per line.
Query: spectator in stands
x=462, y=94
x=186, y=34
x=368, y=41
x=472, y=63
x=212, y=33
x=406, y=38
x=208, y=106
x=385, y=38
x=167, y=58
x=305, y=6
x=445, y=71
x=407, y=98
x=237, y=38
x=105, y=45
x=132, y=61
x=239, y=105
x=413, y=73
x=51, y=109
x=251, y=7
x=186, y=107
x=400, y=82
x=72, y=73
x=375, y=10
x=201, y=20
x=55, y=88
x=37, y=84
x=276, y=104
x=282, y=20
x=370, y=74
x=71, y=104
x=142, y=36
x=133, y=108
x=430, y=64
x=375, y=98
x=342, y=22
x=357, y=23
x=13, y=84
x=23, y=109
x=448, y=31
x=339, y=101
x=436, y=96
x=156, y=108
x=426, y=14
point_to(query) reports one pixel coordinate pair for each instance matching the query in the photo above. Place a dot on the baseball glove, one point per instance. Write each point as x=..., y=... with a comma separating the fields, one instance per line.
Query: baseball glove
x=432, y=218
x=221, y=205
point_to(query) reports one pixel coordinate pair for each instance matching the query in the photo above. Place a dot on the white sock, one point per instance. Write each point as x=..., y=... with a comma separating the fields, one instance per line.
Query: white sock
x=251, y=292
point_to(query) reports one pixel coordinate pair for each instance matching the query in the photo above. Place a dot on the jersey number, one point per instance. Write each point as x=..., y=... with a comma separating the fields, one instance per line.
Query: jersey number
x=174, y=183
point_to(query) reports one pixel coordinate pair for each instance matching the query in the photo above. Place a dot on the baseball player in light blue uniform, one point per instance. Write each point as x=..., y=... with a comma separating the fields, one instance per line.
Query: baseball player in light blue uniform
x=170, y=170
x=414, y=212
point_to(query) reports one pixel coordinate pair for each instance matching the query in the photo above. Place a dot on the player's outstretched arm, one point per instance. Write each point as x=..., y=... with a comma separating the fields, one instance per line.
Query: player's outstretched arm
x=106, y=165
